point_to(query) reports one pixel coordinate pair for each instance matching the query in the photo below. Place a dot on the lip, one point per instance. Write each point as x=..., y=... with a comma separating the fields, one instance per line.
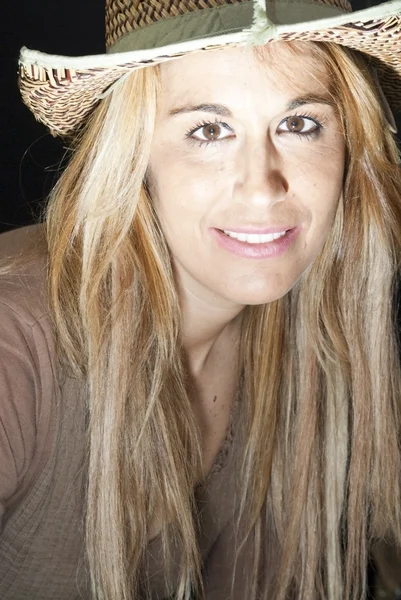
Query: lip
x=256, y=251
x=258, y=230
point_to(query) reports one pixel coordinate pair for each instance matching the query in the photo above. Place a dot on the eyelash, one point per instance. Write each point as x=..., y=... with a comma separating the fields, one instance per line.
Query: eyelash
x=204, y=123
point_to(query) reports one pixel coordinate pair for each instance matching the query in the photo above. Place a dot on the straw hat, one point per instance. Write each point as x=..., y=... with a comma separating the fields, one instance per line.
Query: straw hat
x=61, y=91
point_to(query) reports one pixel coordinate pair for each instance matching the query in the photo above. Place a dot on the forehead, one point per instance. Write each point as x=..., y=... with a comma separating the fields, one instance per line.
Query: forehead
x=287, y=69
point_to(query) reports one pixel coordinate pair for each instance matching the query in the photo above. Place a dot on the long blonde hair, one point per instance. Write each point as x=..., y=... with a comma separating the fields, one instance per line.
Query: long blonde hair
x=322, y=375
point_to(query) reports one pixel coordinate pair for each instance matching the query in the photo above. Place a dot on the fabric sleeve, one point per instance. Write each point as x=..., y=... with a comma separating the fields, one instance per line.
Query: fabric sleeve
x=24, y=419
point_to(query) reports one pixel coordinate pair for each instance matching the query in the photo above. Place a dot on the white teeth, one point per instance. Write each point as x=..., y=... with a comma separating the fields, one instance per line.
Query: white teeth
x=254, y=238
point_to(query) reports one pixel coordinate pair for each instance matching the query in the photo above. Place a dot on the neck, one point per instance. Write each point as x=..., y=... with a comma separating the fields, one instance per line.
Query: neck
x=207, y=329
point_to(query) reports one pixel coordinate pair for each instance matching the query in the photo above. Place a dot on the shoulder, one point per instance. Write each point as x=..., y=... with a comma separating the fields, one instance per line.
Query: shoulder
x=23, y=274
x=27, y=339
x=28, y=367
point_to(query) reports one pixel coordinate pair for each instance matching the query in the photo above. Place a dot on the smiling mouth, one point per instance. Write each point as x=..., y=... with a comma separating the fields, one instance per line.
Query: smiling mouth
x=254, y=238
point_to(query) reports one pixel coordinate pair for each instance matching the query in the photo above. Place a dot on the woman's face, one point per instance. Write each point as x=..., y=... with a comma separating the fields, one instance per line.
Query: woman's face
x=245, y=144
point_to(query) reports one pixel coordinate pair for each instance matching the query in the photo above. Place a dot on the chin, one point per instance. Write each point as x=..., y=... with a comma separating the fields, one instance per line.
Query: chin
x=261, y=288
x=257, y=297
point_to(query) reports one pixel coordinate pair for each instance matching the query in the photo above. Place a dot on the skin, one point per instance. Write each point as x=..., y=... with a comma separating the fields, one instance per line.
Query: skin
x=261, y=175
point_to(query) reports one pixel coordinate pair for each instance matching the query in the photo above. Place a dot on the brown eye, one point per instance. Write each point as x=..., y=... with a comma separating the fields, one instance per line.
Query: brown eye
x=299, y=125
x=208, y=133
x=212, y=131
x=295, y=124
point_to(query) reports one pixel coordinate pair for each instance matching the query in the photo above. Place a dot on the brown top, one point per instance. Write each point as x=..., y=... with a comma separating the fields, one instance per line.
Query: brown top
x=43, y=473
x=42, y=459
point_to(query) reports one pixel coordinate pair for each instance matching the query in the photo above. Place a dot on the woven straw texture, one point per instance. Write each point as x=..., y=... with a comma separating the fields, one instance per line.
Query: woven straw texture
x=63, y=98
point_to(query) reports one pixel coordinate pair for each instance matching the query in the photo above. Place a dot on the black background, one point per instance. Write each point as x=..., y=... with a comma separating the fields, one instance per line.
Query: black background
x=30, y=159
x=29, y=156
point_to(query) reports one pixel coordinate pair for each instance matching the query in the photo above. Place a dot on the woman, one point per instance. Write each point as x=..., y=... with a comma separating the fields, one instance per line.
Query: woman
x=199, y=366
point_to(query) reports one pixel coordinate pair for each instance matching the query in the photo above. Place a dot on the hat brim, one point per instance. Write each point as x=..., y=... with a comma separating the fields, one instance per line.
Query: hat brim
x=61, y=91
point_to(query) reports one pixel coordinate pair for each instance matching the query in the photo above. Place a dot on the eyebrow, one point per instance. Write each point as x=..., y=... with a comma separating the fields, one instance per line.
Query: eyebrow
x=224, y=111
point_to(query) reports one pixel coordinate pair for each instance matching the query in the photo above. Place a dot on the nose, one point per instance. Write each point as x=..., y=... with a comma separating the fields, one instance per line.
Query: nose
x=260, y=180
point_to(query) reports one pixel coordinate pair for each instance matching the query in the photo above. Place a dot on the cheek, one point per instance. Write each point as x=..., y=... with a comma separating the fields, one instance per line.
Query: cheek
x=322, y=212
x=318, y=186
x=321, y=180
x=189, y=189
